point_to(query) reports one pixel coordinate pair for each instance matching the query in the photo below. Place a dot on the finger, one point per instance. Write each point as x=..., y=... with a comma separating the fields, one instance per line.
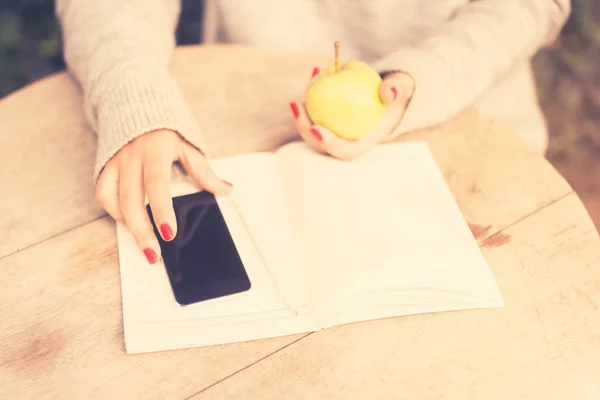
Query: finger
x=156, y=168
x=326, y=142
x=315, y=74
x=389, y=92
x=352, y=149
x=107, y=191
x=341, y=148
x=396, y=92
x=305, y=127
x=198, y=168
x=396, y=89
x=131, y=202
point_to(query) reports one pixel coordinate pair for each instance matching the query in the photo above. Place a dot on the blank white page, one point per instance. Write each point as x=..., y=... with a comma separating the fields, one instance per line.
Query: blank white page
x=383, y=231
x=153, y=320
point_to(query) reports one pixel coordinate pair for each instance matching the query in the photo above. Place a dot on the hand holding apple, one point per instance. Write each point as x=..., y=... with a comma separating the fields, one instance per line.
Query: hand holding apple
x=349, y=109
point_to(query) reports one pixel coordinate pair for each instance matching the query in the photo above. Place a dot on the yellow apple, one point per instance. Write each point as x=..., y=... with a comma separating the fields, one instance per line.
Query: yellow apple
x=345, y=99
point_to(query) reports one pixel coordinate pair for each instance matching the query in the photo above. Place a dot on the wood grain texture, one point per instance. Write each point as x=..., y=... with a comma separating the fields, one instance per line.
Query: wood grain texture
x=61, y=329
x=47, y=148
x=494, y=176
x=240, y=97
x=61, y=319
x=543, y=344
x=46, y=160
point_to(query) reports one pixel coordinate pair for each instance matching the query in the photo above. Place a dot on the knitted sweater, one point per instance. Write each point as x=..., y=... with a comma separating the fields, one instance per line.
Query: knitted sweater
x=461, y=53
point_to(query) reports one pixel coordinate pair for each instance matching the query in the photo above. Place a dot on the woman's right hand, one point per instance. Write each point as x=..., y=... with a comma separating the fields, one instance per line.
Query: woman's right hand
x=143, y=168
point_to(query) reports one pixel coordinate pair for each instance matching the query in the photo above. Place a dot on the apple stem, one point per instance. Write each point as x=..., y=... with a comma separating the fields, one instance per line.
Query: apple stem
x=337, y=56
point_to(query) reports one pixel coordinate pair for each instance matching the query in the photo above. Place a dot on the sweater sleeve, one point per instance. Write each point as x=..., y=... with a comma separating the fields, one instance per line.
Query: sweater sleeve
x=119, y=52
x=471, y=52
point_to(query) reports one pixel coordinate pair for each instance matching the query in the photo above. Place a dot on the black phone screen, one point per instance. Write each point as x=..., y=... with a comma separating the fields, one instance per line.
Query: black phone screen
x=202, y=261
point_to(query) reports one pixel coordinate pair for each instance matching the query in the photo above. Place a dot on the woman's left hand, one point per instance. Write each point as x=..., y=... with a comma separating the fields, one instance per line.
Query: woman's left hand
x=395, y=91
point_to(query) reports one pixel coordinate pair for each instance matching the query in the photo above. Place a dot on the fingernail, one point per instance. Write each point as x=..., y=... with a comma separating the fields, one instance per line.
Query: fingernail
x=394, y=92
x=227, y=183
x=315, y=72
x=150, y=255
x=166, y=231
x=294, y=108
x=316, y=134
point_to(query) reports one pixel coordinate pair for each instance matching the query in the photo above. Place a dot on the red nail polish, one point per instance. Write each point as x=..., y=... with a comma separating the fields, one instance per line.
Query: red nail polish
x=150, y=255
x=166, y=231
x=316, y=134
x=227, y=183
x=294, y=108
x=395, y=92
x=315, y=72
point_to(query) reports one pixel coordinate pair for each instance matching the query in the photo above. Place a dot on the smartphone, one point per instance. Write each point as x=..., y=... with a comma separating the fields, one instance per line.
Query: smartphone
x=202, y=261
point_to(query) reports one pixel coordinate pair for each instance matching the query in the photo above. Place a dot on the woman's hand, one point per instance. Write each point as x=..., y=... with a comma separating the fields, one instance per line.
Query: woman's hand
x=395, y=91
x=143, y=168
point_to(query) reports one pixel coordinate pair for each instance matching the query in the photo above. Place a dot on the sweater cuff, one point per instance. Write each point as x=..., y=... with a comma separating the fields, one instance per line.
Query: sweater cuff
x=431, y=102
x=135, y=104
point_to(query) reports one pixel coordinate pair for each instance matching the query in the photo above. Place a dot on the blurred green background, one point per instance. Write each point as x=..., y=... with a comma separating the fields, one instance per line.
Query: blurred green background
x=568, y=76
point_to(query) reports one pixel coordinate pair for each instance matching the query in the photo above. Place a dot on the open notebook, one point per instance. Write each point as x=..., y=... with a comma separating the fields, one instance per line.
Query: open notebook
x=325, y=242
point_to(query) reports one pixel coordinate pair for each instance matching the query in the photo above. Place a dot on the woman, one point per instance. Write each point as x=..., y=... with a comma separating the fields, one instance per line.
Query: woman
x=436, y=57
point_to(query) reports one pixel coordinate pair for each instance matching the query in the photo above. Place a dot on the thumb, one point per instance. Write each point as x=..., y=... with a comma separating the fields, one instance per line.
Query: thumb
x=396, y=89
x=198, y=168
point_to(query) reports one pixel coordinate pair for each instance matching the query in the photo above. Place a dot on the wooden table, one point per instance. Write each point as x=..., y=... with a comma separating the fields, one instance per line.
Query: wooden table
x=61, y=323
